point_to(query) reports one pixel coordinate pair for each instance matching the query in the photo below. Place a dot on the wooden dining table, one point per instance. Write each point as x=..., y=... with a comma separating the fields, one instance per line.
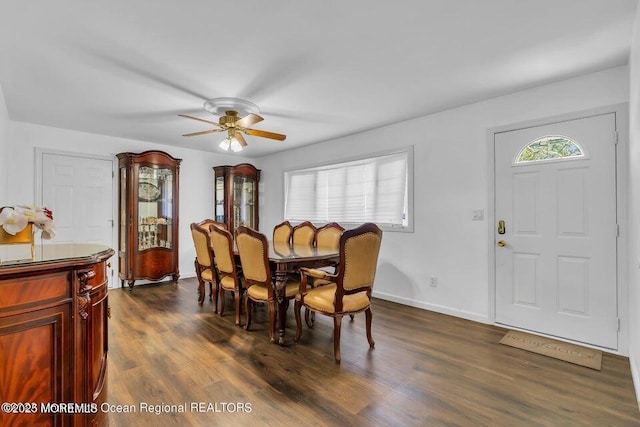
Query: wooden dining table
x=288, y=258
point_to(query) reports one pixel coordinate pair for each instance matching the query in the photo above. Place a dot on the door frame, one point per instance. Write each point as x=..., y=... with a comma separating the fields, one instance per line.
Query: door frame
x=39, y=155
x=621, y=112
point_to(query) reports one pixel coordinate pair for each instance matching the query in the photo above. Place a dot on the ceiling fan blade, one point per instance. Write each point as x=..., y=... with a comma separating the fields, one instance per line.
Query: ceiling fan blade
x=249, y=120
x=204, y=132
x=200, y=120
x=241, y=139
x=265, y=134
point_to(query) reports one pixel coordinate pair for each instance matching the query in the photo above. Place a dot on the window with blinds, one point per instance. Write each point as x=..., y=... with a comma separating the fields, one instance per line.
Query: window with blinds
x=373, y=189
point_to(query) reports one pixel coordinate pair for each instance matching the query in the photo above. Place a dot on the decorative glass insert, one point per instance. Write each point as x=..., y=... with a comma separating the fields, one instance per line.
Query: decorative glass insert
x=552, y=147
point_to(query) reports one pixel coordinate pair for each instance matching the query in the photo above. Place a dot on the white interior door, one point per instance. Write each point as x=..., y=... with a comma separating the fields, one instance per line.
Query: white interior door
x=556, y=273
x=79, y=191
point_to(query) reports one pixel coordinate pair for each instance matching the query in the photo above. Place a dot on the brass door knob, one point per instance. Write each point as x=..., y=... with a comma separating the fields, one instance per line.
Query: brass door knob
x=502, y=243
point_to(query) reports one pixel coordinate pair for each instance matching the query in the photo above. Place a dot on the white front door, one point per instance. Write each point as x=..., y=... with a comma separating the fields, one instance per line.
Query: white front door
x=556, y=260
x=79, y=191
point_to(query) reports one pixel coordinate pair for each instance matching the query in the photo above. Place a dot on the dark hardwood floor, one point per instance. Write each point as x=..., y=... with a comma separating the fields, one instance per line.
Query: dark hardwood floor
x=427, y=369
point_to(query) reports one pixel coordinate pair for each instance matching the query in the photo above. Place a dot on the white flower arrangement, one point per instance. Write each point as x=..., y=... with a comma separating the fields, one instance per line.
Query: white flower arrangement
x=15, y=219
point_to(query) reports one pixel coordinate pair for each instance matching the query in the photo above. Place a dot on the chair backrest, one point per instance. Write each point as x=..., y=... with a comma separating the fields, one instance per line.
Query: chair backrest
x=359, y=250
x=282, y=232
x=328, y=236
x=254, y=257
x=207, y=223
x=303, y=233
x=222, y=244
x=202, y=244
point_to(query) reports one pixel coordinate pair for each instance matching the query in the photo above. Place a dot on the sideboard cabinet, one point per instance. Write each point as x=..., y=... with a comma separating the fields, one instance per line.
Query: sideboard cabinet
x=54, y=337
x=148, y=217
x=236, y=195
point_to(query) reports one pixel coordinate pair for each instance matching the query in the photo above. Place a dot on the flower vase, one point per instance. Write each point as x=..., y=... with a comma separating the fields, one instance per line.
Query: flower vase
x=23, y=237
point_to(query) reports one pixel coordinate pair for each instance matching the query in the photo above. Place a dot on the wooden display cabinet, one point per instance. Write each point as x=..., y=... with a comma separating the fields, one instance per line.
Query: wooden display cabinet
x=148, y=218
x=236, y=195
x=54, y=337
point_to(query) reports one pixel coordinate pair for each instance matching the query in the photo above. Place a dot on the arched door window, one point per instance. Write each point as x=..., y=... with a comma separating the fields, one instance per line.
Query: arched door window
x=548, y=148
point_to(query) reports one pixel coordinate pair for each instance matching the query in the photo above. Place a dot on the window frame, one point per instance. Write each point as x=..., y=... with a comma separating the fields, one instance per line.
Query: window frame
x=408, y=150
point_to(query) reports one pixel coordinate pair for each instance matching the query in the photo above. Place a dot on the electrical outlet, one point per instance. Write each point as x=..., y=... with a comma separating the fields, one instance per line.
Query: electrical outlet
x=434, y=281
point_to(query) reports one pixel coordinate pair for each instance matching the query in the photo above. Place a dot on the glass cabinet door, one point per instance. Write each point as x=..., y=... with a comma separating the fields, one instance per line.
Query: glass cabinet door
x=244, y=209
x=219, y=207
x=123, y=209
x=236, y=195
x=155, y=208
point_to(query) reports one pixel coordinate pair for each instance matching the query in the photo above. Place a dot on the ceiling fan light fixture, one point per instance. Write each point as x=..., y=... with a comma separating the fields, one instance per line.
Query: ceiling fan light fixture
x=235, y=145
x=225, y=144
x=236, y=117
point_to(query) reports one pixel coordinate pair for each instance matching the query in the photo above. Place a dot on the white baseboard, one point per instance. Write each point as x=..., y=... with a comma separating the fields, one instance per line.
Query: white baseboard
x=433, y=307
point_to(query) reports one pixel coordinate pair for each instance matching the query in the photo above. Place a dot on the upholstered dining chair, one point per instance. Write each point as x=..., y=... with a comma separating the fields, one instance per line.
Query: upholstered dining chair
x=328, y=236
x=229, y=277
x=350, y=290
x=204, y=263
x=282, y=232
x=303, y=233
x=207, y=223
x=254, y=257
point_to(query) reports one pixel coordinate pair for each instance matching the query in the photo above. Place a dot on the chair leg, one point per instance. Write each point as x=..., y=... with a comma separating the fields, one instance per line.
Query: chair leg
x=272, y=321
x=296, y=309
x=309, y=317
x=247, y=309
x=201, y=290
x=236, y=301
x=216, y=279
x=337, y=324
x=201, y=293
x=369, y=317
x=214, y=293
x=221, y=297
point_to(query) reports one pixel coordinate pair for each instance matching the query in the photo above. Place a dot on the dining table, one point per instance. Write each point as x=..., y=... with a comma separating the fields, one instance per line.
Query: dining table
x=286, y=258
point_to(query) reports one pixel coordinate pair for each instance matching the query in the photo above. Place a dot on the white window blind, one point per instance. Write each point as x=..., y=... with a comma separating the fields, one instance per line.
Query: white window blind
x=366, y=190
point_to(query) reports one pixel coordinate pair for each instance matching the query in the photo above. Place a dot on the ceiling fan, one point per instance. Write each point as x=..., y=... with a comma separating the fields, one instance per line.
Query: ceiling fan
x=236, y=115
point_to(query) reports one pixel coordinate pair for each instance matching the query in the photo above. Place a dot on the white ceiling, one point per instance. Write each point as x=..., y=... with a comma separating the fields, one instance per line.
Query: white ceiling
x=317, y=69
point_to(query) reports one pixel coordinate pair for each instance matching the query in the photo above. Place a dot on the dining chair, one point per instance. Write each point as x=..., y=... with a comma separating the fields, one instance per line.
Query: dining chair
x=303, y=233
x=206, y=223
x=328, y=236
x=253, y=248
x=229, y=277
x=350, y=290
x=282, y=232
x=204, y=263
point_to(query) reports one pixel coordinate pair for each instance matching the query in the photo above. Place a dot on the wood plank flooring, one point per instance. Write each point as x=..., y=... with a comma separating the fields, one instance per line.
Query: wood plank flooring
x=427, y=369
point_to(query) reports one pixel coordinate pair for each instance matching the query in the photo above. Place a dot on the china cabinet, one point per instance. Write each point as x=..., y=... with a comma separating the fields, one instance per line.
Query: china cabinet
x=236, y=195
x=148, y=217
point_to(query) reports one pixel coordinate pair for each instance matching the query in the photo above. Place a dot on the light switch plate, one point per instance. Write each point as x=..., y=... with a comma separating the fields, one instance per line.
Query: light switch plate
x=478, y=215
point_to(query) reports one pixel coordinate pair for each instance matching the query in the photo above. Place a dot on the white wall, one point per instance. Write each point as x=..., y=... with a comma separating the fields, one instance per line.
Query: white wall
x=4, y=142
x=451, y=180
x=634, y=207
x=196, y=173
